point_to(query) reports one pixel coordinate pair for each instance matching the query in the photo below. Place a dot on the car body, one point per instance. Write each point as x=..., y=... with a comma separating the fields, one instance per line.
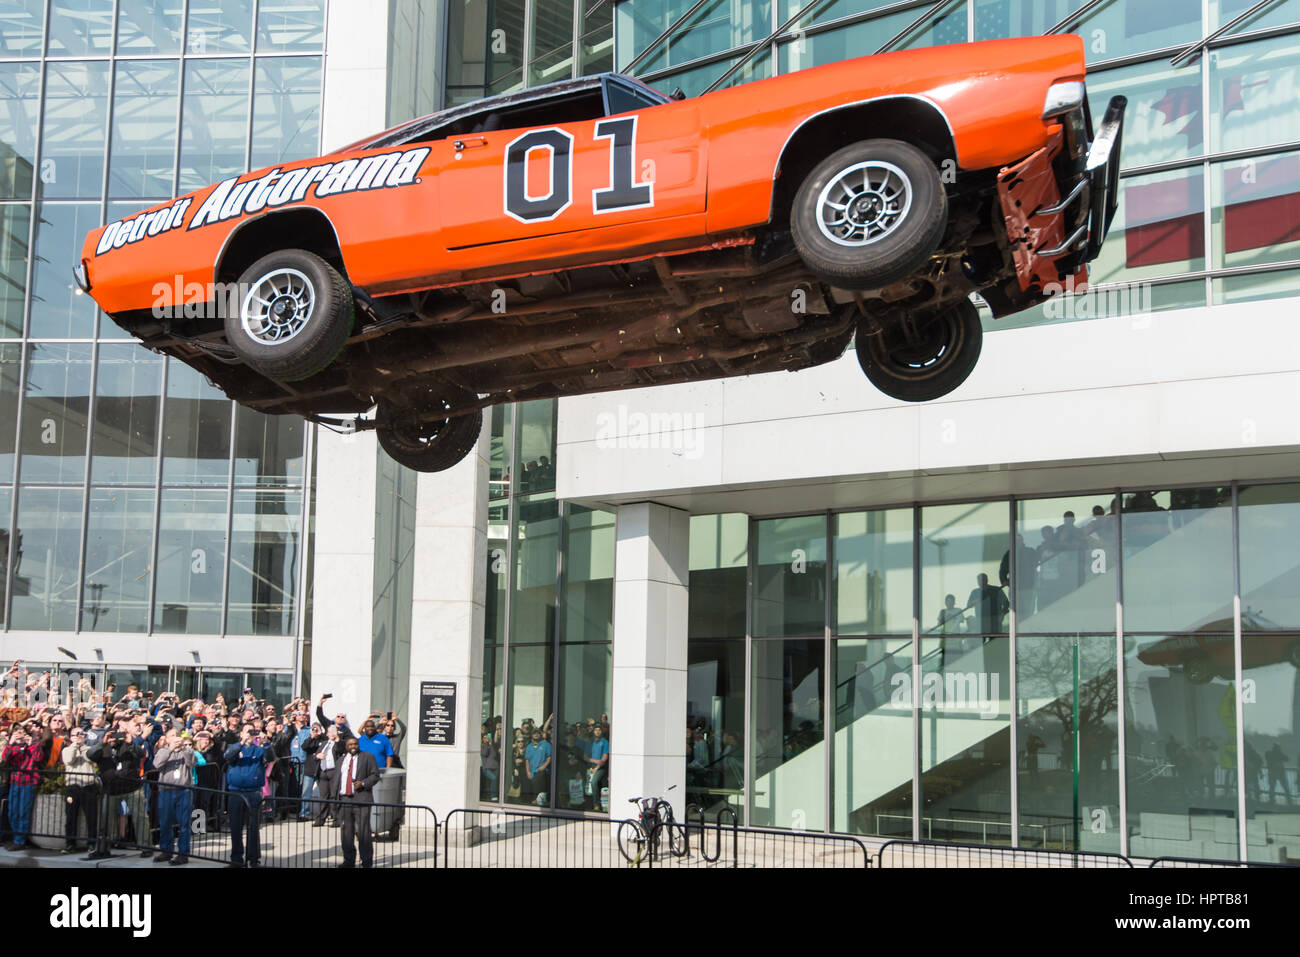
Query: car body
x=594, y=234
x=1210, y=652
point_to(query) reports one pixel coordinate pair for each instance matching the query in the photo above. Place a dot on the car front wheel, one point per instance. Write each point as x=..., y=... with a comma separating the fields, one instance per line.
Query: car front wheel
x=922, y=357
x=870, y=214
x=294, y=315
x=429, y=440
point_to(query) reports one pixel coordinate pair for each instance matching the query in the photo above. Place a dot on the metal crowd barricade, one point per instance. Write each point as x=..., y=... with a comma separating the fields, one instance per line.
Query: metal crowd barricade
x=898, y=853
x=508, y=838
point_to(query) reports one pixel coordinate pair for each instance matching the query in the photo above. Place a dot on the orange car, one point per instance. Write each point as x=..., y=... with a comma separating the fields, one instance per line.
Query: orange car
x=594, y=234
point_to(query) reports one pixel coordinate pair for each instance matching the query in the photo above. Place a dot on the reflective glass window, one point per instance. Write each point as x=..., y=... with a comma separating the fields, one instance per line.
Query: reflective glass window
x=536, y=456
x=1269, y=773
x=268, y=448
x=286, y=110
x=532, y=609
x=790, y=576
x=1066, y=559
x=21, y=24
x=1253, y=91
x=589, y=576
x=149, y=27
x=872, y=580
x=1120, y=28
x=219, y=26
x=1268, y=527
x=582, y=753
x=48, y=543
x=143, y=153
x=290, y=26
x=842, y=43
x=20, y=86
x=119, y=542
x=191, y=561
x=1178, y=560
x=15, y=221
x=80, y=27
x=1163, y=119
x=529, y=746
x=1256, y=208
x=962, y=547
x=265, y=549
x=214, y=121
x=11, y=357
x=196, y=429
x=59, y=310
x=128, y=389
x=72, y=143
x=491, y=729
x=787, y=692
x=1159, y=228
x=55, y=412
x=715, y=726
x=719, y=558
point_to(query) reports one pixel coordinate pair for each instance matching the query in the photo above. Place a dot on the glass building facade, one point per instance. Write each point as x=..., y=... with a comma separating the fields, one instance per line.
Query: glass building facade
x=140, y=500
x=1044, y=670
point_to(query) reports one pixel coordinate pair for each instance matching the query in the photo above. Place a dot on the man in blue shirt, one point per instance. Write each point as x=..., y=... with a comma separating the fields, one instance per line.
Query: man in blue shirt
x=375, y=744
x=537, y=758
x=598, y=763
x=246, y=761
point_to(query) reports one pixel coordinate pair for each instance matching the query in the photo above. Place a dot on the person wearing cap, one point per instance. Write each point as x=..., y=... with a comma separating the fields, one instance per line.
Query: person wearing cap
x=174, y=759
x=82, y=790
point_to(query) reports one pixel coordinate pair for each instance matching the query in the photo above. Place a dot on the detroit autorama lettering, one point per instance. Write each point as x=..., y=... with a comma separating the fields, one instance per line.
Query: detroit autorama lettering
x=231, y=198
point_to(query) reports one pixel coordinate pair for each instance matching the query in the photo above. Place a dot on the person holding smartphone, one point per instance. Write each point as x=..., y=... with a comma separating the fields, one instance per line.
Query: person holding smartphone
x=246, y=761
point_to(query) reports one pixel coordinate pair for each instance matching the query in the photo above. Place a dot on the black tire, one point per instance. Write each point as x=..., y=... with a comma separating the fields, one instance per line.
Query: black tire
x=299, y=346
x=902, y=242
x=678, y=841
x=1198, y=670
x=428, y=441
x=631, y=842
x=950, y=340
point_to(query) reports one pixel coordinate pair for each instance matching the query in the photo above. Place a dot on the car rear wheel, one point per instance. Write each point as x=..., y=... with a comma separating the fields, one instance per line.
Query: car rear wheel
x=430, y=439
x=1199, y=670
x=922, y=357
x=294, y=317
x=869, y=214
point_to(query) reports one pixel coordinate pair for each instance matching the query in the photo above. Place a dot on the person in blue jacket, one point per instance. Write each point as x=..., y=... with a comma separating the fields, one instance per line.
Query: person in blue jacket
x=246, y=761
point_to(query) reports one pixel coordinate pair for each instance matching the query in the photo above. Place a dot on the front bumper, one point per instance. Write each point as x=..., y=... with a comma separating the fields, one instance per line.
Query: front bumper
x=1059, y=202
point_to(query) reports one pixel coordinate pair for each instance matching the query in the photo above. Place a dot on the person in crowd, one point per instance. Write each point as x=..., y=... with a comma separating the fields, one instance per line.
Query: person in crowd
x=174, y=759
x=246, y=762
x=598, y=765
x=82, y=789
x=358, y=775
x=321, y=749
x=990, y=604
x=537, y=758
x=23, y=756
x=310, y=763
x=375, y=744
x=208, y=772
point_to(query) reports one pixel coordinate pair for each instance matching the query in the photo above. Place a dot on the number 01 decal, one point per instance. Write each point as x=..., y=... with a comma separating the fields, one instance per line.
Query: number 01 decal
x=621, y=193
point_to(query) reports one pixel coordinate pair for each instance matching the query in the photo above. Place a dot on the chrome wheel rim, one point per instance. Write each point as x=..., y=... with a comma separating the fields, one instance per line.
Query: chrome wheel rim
x=864, y=203
x=278, y=307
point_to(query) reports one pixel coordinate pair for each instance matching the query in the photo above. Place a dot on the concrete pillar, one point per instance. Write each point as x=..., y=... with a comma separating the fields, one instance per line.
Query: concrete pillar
x=648, y=720
x=343, y=584
x=447, y=619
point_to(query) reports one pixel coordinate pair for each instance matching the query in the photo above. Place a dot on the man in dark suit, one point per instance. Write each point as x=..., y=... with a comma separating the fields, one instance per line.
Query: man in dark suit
x=357, y=776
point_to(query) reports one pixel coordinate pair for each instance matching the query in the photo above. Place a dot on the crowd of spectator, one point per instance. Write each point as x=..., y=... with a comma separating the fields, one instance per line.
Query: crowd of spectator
x=152, y=759
x=577, y=762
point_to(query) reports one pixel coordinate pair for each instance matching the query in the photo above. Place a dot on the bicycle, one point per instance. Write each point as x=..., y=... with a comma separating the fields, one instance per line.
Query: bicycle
x=638, y=837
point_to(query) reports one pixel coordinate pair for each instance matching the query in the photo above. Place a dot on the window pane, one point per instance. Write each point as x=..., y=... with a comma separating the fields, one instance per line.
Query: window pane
x=1268, y=525
x=965, y=739
x=581, y=778
x=15, y=222
x=1121, y=29
x=219, y=26
x=1045, y=682
x=59, y=309
x=494, y=612
x=532, y=610
x=149, y=27
x=1253, y=89
x=119, y=540
x=948, y=27
x=962, y=547
x=268, y=448
x=1178, y=560
x=1181, y=748
x=1066, y=557
x=1277, y=13
x=10, y=366
x=290, y=26
x=787, y=696
x=529, y=707
x=6, y=501
x=1159, y=228
x=1270, y=757
x=536, y=446
x=55, y=412
x=72, y=148
x=286, y=110
x=1256, y=212
x=196, y=430
x=873, y=573
x=1251, y=288
x=1163, y=120
x=20, y=28
x=996, y=19
x=191, y=561
x=491, y=732
x=214, y=121
x=842, y=43
x=1136, y=298
x=719, y=556
x=874, y=737
x=715, y=721
x=271, y=686
x=589, y=576
x=79, y=27
x=790, y=577
x=127, y=393
x=143, y=153
x=20, y=85
x=45, y=577
x=265, y=547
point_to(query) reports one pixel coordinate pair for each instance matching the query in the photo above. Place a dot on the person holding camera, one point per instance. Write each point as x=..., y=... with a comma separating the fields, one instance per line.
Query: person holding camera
x=246, y=762
x=22, y=756
x=175, y=759
x=82, y=790
x=120, y=758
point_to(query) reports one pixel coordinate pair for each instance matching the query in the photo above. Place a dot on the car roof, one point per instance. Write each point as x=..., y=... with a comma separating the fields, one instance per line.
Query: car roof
x=558, y=89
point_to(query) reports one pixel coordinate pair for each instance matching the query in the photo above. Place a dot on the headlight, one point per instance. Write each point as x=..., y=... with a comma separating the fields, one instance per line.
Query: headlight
x=1063, y=97
x=79, y=274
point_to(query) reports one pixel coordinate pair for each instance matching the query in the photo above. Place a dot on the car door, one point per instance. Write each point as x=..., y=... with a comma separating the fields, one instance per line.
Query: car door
x=537, y=178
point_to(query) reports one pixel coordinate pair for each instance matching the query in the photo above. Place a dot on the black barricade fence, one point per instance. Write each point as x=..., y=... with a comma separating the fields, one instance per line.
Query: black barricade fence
x=699, y=844
x=127, y=817
x=1195, y=862
x=935, y=854
x=502, y=838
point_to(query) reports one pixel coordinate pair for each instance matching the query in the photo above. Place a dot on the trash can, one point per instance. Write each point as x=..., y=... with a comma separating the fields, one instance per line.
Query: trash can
x=391, y=790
